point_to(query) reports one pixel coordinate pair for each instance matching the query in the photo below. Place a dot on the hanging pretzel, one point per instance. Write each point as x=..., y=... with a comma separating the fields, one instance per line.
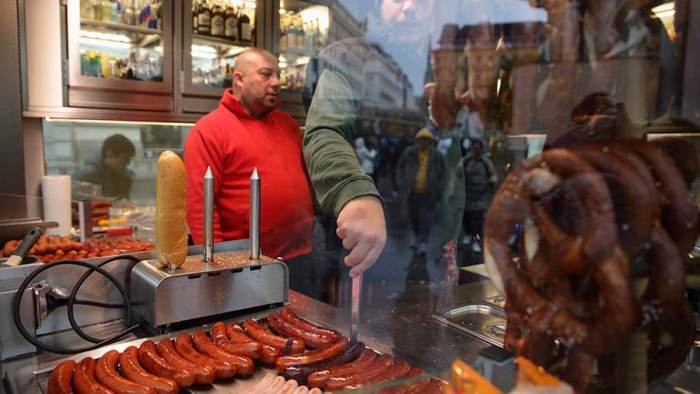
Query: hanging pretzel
x=530, y=181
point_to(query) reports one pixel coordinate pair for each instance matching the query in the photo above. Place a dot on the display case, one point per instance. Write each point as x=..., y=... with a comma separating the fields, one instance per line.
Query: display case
x=120, y=54
x=214, y=34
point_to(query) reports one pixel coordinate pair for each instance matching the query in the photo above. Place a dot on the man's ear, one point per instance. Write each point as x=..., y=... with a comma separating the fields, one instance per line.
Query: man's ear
x=238, y=79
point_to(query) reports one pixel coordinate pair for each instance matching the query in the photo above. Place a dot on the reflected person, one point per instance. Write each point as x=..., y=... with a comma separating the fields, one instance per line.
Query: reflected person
x=421, y=176
x=109, y=168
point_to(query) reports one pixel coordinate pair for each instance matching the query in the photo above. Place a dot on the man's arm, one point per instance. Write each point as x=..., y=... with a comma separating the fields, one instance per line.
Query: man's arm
x=341, y=186
x=201, y=152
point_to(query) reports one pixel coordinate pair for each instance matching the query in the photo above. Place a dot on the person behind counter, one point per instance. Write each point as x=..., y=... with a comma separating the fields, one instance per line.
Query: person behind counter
x=109, y=168
x=247, y=131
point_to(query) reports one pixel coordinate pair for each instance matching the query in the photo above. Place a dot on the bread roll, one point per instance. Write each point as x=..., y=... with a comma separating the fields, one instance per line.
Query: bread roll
x=171, y=199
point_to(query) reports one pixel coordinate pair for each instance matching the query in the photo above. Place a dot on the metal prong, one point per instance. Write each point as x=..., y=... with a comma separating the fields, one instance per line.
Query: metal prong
x=254, y=227
x=208, y=217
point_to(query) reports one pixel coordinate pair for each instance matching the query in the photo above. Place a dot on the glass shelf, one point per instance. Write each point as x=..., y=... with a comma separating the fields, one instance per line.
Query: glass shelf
x=119, y=26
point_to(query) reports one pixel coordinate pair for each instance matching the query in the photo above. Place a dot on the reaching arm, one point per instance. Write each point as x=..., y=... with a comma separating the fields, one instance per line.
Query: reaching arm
x=341, y=186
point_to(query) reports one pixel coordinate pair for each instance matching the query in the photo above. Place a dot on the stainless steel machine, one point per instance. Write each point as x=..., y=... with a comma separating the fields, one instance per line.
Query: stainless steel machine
x=231, y=282
x=215, y=279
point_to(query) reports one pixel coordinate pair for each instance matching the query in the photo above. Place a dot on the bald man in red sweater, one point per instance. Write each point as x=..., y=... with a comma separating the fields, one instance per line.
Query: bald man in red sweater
x=244, y=132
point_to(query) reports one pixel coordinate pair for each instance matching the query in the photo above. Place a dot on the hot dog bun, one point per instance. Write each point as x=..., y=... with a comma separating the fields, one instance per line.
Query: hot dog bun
x=171, y=199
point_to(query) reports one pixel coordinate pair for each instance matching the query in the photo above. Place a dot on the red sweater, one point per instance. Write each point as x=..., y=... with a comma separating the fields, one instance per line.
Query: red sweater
x=233, y=143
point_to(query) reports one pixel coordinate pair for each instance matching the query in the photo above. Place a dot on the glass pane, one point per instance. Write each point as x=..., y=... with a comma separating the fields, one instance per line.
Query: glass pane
x=109, y=160
x=304, y=29
x=454, y=112
x=121, y=39
x=221, y=30
x=212, y=62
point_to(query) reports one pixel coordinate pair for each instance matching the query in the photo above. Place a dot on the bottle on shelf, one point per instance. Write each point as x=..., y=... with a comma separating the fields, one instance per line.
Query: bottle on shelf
x=203, y=18
x=217, y=20
x=244, y=32
x=145, y=15
x=230, y=23
x=155, y=21
x=96, y=10
x=195, y=11
x=86, y=10
x=298, y=25
x=130, y=12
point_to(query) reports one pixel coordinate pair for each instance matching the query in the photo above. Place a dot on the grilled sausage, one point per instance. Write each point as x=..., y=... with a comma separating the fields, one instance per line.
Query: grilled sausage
x=183, y=345
x=289, y=315
x=250, y=349
x=203, y=374
x=396, y=371
x=286, y=345
x=155, y=364
x=311, y=339
x=318, y=378
x=236, y=334
x=132, y=370
x=244, y=365
x=106, y=373
x=84, y=380
x=300, y=374
x=327, y=352
x=379, y=366
x=61, y=376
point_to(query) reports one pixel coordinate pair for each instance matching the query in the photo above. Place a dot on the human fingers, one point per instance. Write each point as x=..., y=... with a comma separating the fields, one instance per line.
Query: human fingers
x=369, y=260
x=358, y=253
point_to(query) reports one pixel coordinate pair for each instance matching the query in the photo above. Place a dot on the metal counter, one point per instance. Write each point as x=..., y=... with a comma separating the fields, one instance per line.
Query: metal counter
x=401, y=327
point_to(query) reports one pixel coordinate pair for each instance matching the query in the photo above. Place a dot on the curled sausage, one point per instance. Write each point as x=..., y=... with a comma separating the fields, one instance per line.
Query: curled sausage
x=155, y=364
x=61, y=377
x=237, y=335
x=321, y=354
x=318, y=378
x=301, y=373
x=286, y=345
x=244, y=365
x=312, y=339
x=106, y=374
x=289, y=315
x=203, y=374
x=250, y=349
x=84, y=380
x=396, y=371
x=379, y=366
x=132, y=370
x=183, y=345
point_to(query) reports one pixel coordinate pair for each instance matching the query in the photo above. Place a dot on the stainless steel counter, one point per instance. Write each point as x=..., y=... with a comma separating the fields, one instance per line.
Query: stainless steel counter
x=401, y=327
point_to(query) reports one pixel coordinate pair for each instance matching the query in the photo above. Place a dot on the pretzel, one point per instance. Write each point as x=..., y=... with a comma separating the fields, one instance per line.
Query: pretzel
x=528, y=183
x=679, y=216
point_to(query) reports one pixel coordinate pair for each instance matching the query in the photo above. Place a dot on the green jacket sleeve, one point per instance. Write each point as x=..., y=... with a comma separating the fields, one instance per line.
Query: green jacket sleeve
x=335, y=172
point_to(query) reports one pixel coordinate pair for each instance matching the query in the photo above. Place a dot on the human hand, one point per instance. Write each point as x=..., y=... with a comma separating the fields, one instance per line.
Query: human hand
x=362, y=228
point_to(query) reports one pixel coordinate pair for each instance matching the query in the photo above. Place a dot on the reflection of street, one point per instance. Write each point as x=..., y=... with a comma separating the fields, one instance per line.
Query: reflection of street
x=399, y=262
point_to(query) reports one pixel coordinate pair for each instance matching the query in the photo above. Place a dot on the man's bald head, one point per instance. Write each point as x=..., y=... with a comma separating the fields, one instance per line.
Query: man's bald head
x=256, y=81
x=251, y=57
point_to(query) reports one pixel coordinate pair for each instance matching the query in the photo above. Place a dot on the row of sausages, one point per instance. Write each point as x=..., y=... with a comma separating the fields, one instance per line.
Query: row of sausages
x=49, y=249
x=231, y=350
